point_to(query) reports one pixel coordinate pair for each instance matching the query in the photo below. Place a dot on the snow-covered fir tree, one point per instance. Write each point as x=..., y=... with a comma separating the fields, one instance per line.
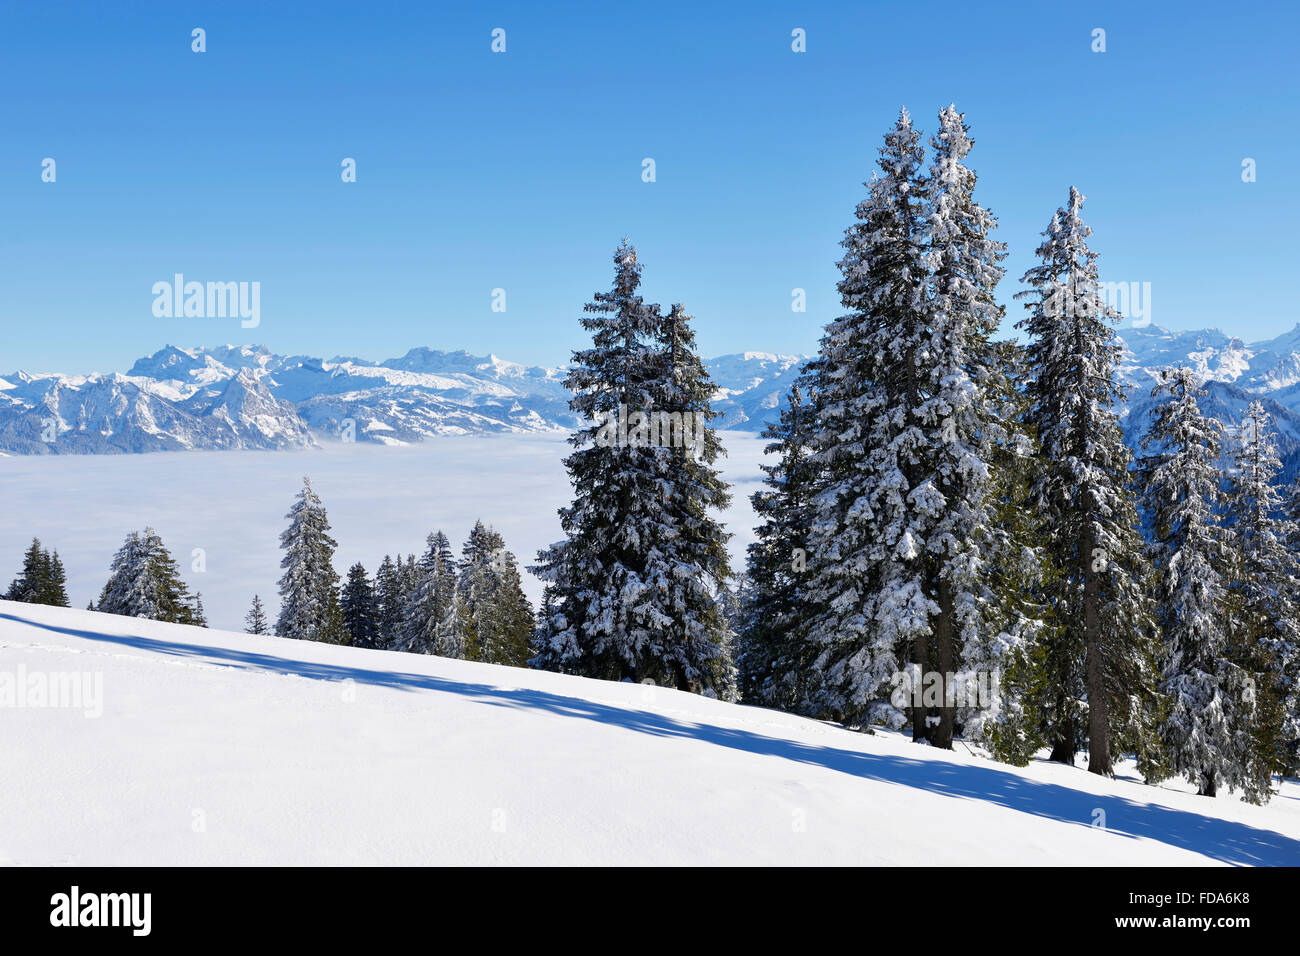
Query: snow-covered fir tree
x=493, y=617
x=1206, y=726
x=621, y=573
x=907, y=428
x=960, y=388
x=1264, y=604
x=773, y=659
x=197, y=614
x=429, y=619
x=144, y=582
x=255, y=621
x=390, y=607
x=1103, y=651
x=692, y=546
x=309, y=587
x=42, y=579
x=1019, y=612
x=357, y=603
x=866, y=595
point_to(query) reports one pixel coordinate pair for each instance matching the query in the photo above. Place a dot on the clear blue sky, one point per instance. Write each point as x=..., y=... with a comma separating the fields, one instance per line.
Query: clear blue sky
x=522, y=170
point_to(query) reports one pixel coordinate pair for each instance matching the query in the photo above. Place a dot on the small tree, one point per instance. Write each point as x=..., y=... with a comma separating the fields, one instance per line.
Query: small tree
x=255, y=621
x=309, y=588
x=144, y=582
x=359, y=614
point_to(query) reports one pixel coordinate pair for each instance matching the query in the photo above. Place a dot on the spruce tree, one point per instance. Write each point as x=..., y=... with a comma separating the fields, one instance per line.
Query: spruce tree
x=963, y=379
x=429, y=620
x=908, y=430
x=614, y=584
x=309, y=587
x=1205, y=729
x=389, y=604
x=1104, y=650
x=28, y=583
x=55, y=592
x=360, y=616
x=1264, y=601
x=41, y=580
x=696, y=637
x=494, y=618
x=198, y=616
x=255, y=621
x=144, y=582
x=868, y=605
x=1019, y=613
x=773, y=660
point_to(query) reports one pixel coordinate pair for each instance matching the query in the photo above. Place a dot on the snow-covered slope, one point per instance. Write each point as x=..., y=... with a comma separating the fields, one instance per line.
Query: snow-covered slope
x=217, y=748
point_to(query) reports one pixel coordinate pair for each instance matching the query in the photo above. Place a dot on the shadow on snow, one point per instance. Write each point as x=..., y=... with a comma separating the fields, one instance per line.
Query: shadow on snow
x=1223, y=840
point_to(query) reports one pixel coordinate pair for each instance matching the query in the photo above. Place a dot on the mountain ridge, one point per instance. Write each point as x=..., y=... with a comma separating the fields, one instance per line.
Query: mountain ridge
x=246, y=396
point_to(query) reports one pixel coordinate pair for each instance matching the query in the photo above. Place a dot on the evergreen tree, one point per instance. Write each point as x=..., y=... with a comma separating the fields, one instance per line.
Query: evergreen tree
x=29, y=581
x=614, y=585
x=774, y=661
x=197, y=615
x=962, y=384
x=389, y=605
x=908, y=428
x=360, y=615
x=309, y=587
x=1104, y=650
x=1205, y=730
x=696, y=637
x=1019, y=615
x=494, y=618
x=55, y=592
x=144, y=582
x=430, y=617
x=1264, y=600
x=42, y=579
x=255, y=621
x=867, y=601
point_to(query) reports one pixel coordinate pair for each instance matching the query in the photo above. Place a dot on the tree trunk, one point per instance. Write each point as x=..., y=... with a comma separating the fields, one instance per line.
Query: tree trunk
x=942, y=736
x=1098, y=724
x=1209, y=786
x=1063, y=749
x=921, y=648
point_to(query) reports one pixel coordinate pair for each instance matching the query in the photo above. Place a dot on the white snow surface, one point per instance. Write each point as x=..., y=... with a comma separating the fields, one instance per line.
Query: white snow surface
x=224, y=748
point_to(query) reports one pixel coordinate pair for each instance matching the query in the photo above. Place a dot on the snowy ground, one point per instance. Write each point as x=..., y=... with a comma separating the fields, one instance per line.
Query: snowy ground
x=222, y=748
x=231, y=505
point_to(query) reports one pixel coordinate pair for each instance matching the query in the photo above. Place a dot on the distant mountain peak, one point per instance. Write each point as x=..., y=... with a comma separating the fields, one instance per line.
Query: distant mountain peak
x=246, y=396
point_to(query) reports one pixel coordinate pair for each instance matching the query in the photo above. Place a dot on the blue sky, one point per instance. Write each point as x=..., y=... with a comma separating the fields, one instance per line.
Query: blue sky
x=522, y=170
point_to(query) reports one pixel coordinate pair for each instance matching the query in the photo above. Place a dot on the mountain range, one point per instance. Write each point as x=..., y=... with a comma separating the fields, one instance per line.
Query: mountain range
x=248, y=397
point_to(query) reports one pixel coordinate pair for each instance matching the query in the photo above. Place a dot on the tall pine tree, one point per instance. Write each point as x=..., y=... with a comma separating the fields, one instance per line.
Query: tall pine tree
x=615, y=582
x=1104, y=650
x=1263, y=598
x=1205, y=730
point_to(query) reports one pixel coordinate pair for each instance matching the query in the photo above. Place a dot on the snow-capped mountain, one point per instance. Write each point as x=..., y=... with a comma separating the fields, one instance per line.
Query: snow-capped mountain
x=248, y=397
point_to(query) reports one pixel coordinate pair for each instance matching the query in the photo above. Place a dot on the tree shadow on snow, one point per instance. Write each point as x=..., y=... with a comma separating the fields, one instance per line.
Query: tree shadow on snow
x=1223, y=840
